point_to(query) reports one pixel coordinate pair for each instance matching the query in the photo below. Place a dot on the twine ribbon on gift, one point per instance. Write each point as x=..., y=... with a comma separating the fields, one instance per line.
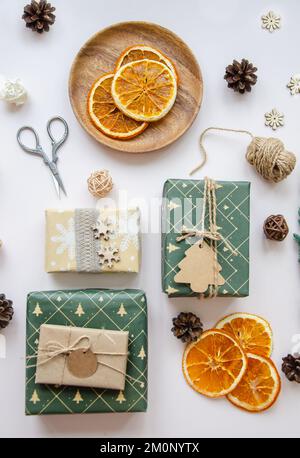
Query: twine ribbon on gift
x=267, y=155
x=54, y=349
x=213, y=235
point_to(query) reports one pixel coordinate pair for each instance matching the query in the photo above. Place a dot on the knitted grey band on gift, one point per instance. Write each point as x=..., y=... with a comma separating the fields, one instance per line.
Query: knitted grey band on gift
x=86, y=245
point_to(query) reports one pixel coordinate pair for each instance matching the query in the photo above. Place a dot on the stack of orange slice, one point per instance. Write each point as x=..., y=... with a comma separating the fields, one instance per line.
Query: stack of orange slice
x=141, y=90
x=233, y=360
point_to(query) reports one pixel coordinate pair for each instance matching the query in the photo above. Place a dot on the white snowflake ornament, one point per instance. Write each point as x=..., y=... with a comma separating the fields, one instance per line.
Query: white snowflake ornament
x=274, y=119
x=13, y=91
x=102, y=228
x=108, y=255
x=294, y=85
x=271, y=21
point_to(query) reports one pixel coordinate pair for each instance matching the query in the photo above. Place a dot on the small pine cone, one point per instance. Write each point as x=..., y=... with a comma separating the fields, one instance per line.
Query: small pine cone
x=240, y=76
x=291, y=368
x=6, y=311
x=187, y=327
x=38, y=16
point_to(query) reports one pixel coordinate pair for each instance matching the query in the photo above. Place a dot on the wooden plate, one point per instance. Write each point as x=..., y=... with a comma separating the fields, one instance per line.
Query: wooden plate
x=99, y=56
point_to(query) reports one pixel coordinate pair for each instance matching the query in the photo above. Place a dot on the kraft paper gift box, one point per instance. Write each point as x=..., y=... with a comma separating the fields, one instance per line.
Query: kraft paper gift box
x=72, y=356
x=121, y=311
x=182, y=207
x=92, y=240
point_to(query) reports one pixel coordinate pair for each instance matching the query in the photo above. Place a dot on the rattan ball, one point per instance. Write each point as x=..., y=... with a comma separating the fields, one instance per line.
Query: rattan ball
x=276, y=228
x=100, y=183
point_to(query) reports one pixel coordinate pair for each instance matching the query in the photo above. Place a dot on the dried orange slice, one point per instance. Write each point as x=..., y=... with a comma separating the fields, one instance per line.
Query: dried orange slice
x=260, y=386
x=106, y=116
x=144, y=90
x=252, y=332
x=140, y=52
x=215, y=364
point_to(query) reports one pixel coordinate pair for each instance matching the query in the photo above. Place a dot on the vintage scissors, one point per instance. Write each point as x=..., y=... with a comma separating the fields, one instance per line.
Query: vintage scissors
x=38, y=150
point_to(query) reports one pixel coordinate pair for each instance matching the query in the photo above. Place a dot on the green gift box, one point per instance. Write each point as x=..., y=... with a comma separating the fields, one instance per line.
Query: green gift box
x=120, y=310
x=183, y=202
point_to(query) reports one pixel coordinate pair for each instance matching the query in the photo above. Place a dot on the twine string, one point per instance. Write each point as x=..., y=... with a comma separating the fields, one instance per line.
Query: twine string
x=201, y=143
x=267, y=155
x=54, y=349
x=213, y=235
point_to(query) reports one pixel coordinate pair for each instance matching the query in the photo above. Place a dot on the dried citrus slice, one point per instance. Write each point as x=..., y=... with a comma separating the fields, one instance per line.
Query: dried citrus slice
x=215, y=364
x=144, y=90
x=140, y=52
x=252, y=332
x=260, y=386
x=106, y=116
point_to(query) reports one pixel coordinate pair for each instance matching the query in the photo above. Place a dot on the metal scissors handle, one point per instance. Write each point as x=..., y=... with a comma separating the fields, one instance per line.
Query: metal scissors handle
x=56, y=144
x=38, y=150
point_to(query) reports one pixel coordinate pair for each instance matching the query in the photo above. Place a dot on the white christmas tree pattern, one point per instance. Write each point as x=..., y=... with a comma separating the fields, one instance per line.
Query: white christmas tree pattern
x=171, y=290
x=121, y=398
x=77, y=398
x=142, y=353
x=35, y=397
x=122, y=311
x=37, y=311
x=198, y=268
x=172, y=248
x=79, y=311
x=172, y=205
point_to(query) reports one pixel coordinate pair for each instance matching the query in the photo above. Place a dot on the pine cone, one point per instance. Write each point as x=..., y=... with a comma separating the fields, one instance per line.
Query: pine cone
x=187, y=327
x=38, y=16
x=291, y=368
x=6, y=311
x=240, y=76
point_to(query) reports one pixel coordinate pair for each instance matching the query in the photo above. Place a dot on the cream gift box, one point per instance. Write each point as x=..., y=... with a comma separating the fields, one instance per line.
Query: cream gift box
x=93, y=240
x=81, y=357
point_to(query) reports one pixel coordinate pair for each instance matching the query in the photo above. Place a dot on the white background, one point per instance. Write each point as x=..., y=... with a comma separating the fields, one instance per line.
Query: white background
x=217, y=31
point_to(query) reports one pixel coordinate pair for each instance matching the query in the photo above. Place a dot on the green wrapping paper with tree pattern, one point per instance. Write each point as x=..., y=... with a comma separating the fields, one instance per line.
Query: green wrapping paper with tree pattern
x=121, y=310
x=182, y=207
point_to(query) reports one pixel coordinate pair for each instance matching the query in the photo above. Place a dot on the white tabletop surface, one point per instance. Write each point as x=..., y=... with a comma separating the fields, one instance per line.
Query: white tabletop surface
x=217, y=31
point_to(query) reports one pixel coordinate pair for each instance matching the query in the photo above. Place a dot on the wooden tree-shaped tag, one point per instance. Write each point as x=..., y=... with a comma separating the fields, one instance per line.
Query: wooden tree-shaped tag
x=198, y=268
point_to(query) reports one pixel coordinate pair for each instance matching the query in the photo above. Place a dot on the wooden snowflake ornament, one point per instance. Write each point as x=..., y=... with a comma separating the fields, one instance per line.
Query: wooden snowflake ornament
x=271, y=21
x=294, y=85
x=274, y=119
x=108, y=255
x=102, y=229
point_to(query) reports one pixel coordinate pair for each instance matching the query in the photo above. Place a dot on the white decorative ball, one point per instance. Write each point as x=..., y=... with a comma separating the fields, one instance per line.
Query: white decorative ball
x=13, y=91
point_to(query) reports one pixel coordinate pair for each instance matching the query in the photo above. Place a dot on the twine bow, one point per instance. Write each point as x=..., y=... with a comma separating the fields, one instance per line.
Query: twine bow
x=186, y=233
x=54, y=349
x=213, y=235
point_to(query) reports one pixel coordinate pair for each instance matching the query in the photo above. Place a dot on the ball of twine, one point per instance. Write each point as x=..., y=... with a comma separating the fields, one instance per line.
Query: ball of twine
x=267, y=155
x=276, y=228
x=100, y=183
x=270, y=158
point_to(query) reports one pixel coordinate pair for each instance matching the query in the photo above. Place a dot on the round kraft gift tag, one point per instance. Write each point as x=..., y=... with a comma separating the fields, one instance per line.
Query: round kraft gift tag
x=82, y=363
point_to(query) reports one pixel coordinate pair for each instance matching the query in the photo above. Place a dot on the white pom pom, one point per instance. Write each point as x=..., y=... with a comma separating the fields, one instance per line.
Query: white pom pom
x=12, y=91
